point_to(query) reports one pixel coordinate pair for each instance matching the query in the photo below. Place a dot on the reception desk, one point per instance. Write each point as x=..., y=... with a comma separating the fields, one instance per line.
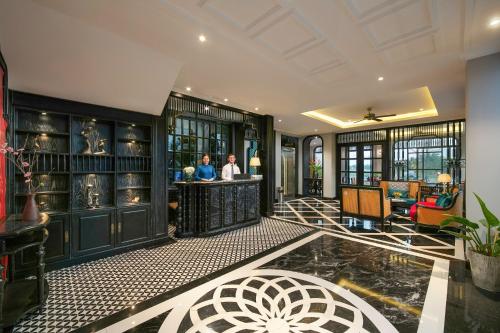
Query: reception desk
x=208, y=208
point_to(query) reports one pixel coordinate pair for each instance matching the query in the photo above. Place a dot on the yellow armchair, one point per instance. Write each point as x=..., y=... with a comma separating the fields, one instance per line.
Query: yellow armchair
x=433, y=216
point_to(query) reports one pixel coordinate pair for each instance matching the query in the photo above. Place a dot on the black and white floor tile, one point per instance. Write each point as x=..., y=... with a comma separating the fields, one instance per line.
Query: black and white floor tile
x=325, y=282
x=82, y=294
x=325, y=214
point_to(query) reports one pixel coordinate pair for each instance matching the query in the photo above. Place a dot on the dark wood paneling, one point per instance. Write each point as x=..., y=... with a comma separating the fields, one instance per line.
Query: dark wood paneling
x=133, y=225
x=209, y=208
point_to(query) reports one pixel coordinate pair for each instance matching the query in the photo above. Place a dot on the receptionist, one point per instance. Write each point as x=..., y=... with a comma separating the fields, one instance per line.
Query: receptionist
x=205, y=171
x=230, y=169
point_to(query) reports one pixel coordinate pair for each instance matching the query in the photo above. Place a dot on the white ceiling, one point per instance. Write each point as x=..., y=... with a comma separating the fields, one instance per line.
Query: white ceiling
x=285, y=57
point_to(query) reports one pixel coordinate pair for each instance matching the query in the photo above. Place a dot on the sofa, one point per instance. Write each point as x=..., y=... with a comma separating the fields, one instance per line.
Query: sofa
x=365, y=202
x=409, y=190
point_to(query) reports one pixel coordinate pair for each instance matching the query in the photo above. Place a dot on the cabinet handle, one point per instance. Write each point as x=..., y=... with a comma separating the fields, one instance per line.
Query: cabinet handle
x=66, y=236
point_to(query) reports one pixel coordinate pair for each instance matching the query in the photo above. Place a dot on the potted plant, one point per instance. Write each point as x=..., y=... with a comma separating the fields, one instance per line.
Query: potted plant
x=484, y=255
x=24, y=161
x=315, y=168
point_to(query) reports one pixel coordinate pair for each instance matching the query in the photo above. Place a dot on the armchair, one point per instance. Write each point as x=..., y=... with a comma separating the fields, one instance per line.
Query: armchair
x=365, y=202
x=432, y=215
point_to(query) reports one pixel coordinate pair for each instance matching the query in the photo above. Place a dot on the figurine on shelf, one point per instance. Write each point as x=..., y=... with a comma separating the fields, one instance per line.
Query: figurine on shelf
x=97, y=204
x=100, y=147
x=86, y=135
x=43, y=206
x=90, y=193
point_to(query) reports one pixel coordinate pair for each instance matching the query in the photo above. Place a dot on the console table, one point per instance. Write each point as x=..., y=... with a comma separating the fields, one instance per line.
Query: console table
x=208, y=208
x=22, y=296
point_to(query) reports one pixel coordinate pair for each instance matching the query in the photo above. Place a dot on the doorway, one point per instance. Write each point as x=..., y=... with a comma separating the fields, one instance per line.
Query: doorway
x=362, y=164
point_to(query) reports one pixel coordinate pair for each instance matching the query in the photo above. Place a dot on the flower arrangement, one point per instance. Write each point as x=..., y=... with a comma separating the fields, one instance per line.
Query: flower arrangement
x=24, y=162
x=188, y=173
x=315, y=168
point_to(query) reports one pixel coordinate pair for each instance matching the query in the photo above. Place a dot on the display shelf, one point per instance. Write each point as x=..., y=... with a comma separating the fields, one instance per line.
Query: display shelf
x=43, y=192
x=49, y=133
x=131, y=140
x=134, y=188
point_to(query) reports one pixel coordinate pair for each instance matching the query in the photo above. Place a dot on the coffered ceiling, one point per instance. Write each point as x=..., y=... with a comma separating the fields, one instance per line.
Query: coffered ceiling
x=285, y=57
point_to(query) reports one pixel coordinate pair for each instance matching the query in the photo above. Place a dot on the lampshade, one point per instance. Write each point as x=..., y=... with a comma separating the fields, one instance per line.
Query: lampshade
x=444, y=178
x=255, y=162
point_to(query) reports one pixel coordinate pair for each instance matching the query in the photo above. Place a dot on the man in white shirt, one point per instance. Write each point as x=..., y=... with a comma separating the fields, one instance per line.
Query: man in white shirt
x=230, y=169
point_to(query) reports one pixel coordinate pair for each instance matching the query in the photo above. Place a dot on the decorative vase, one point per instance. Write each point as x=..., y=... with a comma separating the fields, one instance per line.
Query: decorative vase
x=485, y=271
x=30, y=210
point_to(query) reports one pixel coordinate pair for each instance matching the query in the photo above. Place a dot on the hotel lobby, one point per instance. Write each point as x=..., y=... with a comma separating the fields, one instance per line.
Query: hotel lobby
x=261, y=166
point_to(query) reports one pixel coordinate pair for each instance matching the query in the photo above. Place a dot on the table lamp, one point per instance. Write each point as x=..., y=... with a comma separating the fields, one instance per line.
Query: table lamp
x=444, y=179
x=254, y=163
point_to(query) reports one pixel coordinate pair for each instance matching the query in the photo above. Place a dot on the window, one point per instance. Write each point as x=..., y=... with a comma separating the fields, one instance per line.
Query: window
x=191, y=139
x=424, y=158
x=318, y=155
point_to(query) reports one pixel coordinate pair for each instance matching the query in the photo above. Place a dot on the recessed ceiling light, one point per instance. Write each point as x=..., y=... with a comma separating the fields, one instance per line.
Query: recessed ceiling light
x=188, y=88
x=94, y=120
x=421, y=109
x=256, y=109
x=44, y=113
x=380, y=78
x=225, y=100
x=279, y=120
x=494, y=22
x=315, y=130
x=202, y=38
x=133, y=125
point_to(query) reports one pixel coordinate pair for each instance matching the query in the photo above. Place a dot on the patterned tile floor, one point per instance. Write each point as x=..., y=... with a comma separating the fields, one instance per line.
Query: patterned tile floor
x=325, y=214
x=82, y=294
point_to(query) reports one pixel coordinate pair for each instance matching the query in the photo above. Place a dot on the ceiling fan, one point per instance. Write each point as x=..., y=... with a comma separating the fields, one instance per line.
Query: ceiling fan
x=372, y=116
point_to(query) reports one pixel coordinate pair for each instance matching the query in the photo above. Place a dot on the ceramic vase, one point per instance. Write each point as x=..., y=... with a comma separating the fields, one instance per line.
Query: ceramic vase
x=30, y=210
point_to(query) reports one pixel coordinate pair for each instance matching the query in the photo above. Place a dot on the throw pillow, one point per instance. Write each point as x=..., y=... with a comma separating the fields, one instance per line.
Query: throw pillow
x=444, y=200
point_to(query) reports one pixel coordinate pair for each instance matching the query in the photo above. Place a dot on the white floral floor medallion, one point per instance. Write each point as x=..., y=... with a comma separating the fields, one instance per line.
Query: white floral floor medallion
x=274, y=301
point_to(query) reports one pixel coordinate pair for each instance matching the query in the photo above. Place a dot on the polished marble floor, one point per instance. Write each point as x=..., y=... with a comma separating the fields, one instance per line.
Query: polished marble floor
x=325, y=215
x=83, y=296
x=327, y=282
x=278, y=276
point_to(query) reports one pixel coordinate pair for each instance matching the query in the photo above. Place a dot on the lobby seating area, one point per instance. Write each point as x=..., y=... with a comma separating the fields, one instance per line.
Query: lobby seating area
x=237, y=166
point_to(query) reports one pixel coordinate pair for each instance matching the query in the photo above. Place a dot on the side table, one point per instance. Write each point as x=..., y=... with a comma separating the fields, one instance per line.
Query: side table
x=22, y=296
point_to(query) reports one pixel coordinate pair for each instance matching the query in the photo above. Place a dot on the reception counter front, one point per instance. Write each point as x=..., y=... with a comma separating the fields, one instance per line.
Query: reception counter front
x=208, y=208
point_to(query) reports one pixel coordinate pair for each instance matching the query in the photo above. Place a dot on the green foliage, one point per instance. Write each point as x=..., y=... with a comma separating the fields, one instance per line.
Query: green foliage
x=490, y=247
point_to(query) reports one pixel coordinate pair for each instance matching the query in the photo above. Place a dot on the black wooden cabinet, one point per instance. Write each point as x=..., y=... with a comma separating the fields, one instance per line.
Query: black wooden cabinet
x=78, y=172
x=92, y=231
x=55, y=250
x=133, y=225
x=58, y=248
